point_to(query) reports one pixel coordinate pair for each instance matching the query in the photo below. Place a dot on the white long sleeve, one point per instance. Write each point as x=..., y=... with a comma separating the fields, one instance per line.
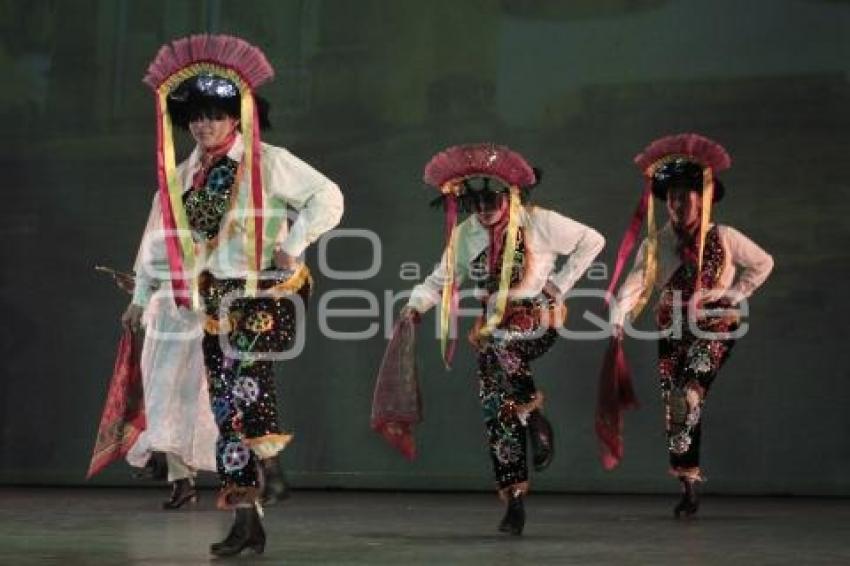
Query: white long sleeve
x=428, y=293
x=547, y=235
x=739, y=252
x=563, y=236
x=632, y=287
x=151, y=260
x=287, y=181
x=317, y=199
x=755, y=263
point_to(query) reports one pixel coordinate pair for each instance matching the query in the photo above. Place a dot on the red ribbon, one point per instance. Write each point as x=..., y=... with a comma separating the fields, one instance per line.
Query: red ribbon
x=497, y=242
x=257, y=190
x=179, y=285
x=629, y=238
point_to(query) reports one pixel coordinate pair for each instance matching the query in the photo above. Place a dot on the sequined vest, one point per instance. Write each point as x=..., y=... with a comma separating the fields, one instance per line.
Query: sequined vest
x=488, y=281
x=207, y=205
x=683, y=280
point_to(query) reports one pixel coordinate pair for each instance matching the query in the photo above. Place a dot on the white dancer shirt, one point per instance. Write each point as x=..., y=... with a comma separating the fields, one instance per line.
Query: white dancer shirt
x=740, y=252
x=287, y=181
x=547, y=235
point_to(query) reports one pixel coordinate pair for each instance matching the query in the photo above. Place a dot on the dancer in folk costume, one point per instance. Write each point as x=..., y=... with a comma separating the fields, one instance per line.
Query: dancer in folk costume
x=218, y=241
x=703, y=272
x=509, y=248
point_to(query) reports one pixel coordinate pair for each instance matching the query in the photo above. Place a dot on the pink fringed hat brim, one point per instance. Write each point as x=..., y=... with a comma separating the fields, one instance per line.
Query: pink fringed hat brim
x=227, y=51
x=692, y=147
x=479, y=160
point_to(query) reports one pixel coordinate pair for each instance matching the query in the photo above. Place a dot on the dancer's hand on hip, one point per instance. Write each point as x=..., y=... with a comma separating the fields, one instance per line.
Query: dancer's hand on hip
x=551, y=290
x=284, y=261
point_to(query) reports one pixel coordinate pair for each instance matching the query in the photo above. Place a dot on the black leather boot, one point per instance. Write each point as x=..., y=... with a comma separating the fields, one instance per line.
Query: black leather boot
x=182, y=492
x=156, y=468
x=275, y=488
x=689, y=504
x=246, y=532
x=542, y=440
x=514, y=520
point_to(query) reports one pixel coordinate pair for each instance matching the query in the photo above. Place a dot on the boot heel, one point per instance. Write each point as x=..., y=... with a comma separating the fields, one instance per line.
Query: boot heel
x=246, y=532
x=514, y=520
x=542, y=440
x=273, y=481
x=182, y=493
x=689, y=503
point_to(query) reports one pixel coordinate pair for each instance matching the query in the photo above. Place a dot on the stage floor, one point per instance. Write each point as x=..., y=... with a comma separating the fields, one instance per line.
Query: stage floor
x=125, y=526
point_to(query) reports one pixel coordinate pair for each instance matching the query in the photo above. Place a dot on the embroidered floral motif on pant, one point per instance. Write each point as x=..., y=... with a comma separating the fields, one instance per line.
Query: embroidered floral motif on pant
x=687, y=365
x=242, y=391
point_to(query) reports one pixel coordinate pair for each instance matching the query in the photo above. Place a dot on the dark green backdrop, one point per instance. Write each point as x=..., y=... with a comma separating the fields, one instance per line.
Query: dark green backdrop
x=367, y=91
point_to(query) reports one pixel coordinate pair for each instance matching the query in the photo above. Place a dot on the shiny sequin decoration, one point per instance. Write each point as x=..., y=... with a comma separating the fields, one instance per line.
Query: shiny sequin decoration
x=687, y=365
x=507, y=450
x=666, y=367
x=221, y=409
x=477, y=160
x=505, y=377
x=692, y=419
x=680, y=443
x=214, y=85
x=700, y=359
x=206, y=206
x=682, y=283
x=236, y=456
x=236, y=422
x=221, y=176
x=491, y=403
x=509, y=361
x=260, y=321
x=243, y=390
x=246, y=389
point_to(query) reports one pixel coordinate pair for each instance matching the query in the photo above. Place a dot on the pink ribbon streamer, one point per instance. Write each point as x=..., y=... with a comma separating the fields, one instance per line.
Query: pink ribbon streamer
x=179, y=286
x=630, y=238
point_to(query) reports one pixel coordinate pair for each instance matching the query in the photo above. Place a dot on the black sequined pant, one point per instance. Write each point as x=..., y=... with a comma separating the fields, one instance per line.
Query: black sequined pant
x=506, y=381
x=242, y=391
x=687, y=368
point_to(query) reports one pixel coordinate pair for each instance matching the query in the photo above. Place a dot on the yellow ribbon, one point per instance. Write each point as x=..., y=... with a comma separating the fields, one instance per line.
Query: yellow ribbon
x=446, y=306
x=651, y=264
x=293, y=284
x=707, y=200
x=175, y=188
x=508, y=254
x=175, y=197
x=247, y=114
